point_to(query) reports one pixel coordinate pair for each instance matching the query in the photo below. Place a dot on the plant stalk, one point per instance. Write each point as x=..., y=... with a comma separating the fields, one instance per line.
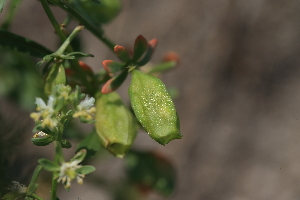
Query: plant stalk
x=81, y=74
x=98, y=32
x=36, y=197
x=57, y=159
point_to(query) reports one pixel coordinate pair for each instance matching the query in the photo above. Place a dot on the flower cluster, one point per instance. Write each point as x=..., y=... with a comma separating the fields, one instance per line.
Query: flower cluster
x=49, y=114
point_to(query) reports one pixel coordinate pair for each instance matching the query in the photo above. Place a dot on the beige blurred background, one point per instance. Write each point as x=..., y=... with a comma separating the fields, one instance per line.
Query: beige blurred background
x=239, y=89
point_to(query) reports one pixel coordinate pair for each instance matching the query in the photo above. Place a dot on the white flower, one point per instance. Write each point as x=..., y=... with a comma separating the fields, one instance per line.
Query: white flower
x=45, y=111
x=68, y=172
x=43, y=107
x=86, y=104
x=85, y=109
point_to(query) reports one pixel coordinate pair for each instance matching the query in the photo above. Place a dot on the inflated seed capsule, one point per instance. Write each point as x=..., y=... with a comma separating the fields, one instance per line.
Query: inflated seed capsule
x=55, y=76
x=154, y=107
x=115, y=124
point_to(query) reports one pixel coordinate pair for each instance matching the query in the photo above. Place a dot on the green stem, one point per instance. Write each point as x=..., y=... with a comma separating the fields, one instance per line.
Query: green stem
x=98, y=32
x=66, y=43
x=57, y=159
x=36, y=197
x=53, y=21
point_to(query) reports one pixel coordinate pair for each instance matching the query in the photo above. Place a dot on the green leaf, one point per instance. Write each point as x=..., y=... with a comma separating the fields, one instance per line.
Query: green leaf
x=79, y=156
x=42, y=141
x=86, y=169
x=113, y=67
x=48, y=165
x=154, y=108
x=150, y=49
x=115, y=124
x=114, y=83
x=31, y=189
x=74, y=55
x=91, y=143
x=140, y=47
x=163, y=67
x=122, y=53
x=151, y=170
x=21, y=44
x=35, y=174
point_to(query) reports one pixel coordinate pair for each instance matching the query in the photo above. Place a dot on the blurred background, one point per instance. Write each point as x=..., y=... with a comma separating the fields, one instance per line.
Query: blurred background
x=239, y=86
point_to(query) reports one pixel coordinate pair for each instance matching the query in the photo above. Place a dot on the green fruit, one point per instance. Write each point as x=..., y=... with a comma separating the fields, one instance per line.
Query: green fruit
x=115, y=125
x=154, y=107
x=103, y=12
x=55, y=76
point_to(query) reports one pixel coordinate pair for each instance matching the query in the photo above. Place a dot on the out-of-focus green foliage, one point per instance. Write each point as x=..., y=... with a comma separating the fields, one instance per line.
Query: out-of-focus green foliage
x=19, y=79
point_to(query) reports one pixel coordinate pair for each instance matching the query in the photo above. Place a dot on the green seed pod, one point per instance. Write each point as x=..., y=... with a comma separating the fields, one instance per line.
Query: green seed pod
x=55, y=76
x=115, y=124
x=42, y=141
x=154, y=107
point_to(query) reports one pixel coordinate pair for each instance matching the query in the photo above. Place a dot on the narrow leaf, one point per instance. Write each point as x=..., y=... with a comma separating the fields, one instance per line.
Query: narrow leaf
x=163, y=67
x=114, y=83
x=74, y=55
x=86, y=169
x=32, y=188
x=79, y=156
x=122, y=53
x=35, y=174
x=21, y=44
x=151, y=47
x=48, y=165
x=140, y=47
x=112, y=67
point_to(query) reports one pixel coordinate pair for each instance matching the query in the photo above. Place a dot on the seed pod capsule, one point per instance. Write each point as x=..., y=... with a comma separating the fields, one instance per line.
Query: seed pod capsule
x=154, y=107
x=115, y=125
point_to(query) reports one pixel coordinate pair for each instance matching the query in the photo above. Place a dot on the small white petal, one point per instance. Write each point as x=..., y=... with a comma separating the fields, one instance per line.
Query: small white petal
x=40, y=103
x=87, y=103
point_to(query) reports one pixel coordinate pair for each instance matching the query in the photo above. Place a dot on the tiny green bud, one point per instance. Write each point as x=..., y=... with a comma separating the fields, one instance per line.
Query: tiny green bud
x=154, y=107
